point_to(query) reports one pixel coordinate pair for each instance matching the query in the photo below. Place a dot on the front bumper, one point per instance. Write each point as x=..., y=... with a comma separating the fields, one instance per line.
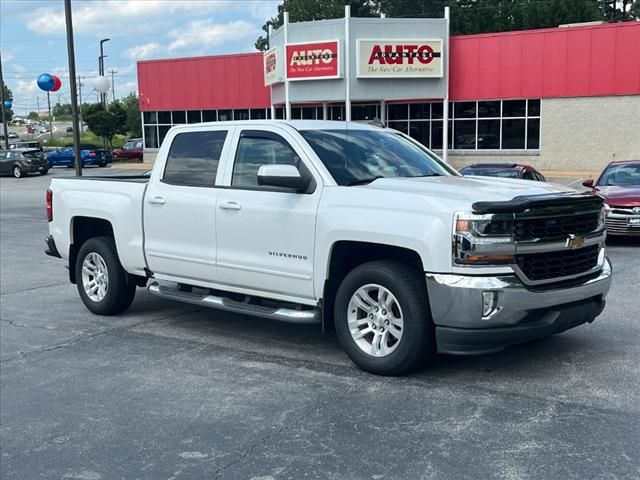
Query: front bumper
x=519, y=313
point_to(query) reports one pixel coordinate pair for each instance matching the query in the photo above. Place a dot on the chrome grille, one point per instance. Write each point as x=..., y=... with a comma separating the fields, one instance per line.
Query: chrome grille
x=621, y=225
x=554, y=265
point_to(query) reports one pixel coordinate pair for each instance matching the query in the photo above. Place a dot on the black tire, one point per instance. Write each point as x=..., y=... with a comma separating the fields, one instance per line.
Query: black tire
x=102, y=164
x=44, y=172
x=407, y=285
x=71, y=165
x=17, y=172
x=121, y=286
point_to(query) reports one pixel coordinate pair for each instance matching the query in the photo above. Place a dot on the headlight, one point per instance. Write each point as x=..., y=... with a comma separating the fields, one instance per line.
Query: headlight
x=483, y=239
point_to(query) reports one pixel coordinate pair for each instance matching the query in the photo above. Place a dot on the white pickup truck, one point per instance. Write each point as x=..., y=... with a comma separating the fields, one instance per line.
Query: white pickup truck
x=352, y=226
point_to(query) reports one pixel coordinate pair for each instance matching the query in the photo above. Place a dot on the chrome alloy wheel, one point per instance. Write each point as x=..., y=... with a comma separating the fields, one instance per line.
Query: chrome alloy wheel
x=375, y=320
x=95, y=277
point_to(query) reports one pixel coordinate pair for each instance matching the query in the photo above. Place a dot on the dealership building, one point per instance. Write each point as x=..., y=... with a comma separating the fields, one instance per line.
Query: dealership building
x=565, y=98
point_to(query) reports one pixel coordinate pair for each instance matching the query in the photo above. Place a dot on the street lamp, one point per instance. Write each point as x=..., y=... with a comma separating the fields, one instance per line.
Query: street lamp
x=101, y=66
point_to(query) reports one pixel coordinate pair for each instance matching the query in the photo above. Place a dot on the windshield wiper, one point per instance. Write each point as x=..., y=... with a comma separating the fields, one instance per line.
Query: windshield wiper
x=434, y=174
x=363, y=181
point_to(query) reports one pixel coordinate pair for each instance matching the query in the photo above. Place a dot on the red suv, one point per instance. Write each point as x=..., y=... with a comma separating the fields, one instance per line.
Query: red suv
x=132, y=150
x=504, y=170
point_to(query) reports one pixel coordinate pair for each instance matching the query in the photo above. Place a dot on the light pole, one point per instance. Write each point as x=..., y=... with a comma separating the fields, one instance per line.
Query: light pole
x=101, y=67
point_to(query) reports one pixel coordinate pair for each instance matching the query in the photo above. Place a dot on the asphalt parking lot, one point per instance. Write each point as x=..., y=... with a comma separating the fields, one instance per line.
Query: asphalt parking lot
x=172, y=391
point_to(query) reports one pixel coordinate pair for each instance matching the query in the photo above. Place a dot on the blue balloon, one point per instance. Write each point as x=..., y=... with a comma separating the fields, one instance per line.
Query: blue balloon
x=8, y=104
x=46, y=82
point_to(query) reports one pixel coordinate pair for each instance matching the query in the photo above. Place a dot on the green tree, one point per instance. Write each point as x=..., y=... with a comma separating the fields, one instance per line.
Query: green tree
x=306, y=10
x=133, y=123
x=61, y=109
x=33, y=116
x=8, y=95
x=104, y=124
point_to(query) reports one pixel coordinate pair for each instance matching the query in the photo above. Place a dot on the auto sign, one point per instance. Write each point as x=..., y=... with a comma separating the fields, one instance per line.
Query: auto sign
x=399, y=58
x=313, y=61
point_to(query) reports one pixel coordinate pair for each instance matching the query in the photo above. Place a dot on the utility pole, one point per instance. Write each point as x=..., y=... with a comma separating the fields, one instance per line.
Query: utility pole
x=4, y=120
x=72, y=87
x=113, y=84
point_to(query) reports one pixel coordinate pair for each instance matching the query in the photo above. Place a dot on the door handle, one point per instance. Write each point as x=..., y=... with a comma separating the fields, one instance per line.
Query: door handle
x=230, y=206
x=157, y=200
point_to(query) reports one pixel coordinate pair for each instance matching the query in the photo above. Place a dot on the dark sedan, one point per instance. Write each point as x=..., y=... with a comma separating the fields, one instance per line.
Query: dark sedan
x=20, y=163
x=503, y=170
x=619, y=184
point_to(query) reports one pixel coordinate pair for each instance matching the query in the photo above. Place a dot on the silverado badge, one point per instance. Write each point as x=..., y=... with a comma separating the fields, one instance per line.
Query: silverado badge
x=575, y=241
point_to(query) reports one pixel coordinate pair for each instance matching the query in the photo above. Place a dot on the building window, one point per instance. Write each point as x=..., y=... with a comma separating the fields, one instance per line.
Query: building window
x=365, y=112
x=483, y=125
x=179, y=117
x=258, y=114
x=164, y=118
x=225, y=115
x=241, y=114
x=209, y=116
x=194, y=116
x=151, y=136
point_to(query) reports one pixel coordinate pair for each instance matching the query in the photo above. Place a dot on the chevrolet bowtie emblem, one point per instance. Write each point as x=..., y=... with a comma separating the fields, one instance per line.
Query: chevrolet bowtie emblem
x=575, y=241
x=636, y=210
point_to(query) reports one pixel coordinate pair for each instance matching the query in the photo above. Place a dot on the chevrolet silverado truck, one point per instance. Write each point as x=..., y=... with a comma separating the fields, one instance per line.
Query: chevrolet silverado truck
x=355, y=227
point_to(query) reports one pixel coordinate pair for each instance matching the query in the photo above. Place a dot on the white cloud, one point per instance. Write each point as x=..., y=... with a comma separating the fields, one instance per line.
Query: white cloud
x=140, y=52
x=112, y=17
x=204, y=34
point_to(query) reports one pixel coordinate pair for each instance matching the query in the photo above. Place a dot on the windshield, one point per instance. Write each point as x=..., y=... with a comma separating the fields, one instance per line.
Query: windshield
x=491, y=172
x=621, y=174
x=361, y=156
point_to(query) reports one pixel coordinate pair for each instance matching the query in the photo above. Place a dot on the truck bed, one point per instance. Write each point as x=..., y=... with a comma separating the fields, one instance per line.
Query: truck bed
x=116, y=199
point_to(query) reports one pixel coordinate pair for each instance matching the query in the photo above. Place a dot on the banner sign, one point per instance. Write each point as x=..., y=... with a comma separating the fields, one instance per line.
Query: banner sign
x=313, y=61
x=269, y=59
x=399, y=58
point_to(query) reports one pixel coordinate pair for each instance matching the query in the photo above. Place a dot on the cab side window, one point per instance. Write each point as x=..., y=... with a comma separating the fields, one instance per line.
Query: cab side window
x=257, y=148
x=193, y=158
x=528, y=175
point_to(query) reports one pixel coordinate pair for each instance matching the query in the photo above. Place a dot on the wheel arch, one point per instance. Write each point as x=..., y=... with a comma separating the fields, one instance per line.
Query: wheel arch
x=345, y=255
x=82, y=229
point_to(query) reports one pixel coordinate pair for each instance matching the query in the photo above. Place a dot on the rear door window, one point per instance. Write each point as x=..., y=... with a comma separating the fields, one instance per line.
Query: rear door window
x=194, y=158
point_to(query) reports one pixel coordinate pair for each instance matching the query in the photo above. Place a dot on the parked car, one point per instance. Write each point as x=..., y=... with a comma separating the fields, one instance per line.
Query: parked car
x=26, y=146
x=354, y=227
x=69, y=130
x=619, y=185
x=504, y=170
x=90, y=154
x=132, y=150
x=20, y=163
x=13, y=135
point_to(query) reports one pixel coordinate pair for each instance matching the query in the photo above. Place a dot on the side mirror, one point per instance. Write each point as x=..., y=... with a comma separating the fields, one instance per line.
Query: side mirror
x=588, y=183
x=286, y=176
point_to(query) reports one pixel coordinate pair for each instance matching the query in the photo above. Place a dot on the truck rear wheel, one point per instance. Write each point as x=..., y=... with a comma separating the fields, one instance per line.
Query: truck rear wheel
x=104, y=286
x=382, y=317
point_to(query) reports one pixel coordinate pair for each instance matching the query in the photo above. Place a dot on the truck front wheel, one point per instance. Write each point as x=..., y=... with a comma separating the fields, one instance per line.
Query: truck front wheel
x=382, y=317
x=104, y=286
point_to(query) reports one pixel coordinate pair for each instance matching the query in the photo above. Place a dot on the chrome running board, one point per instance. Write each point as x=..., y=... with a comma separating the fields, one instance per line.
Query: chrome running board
x=289, y=315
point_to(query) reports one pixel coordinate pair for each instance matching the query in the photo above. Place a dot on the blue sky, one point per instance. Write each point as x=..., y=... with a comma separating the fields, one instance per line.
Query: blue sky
x=33, y=40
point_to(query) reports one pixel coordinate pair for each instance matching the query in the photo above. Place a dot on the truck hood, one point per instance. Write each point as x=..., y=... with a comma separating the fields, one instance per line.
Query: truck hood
x=467, y=190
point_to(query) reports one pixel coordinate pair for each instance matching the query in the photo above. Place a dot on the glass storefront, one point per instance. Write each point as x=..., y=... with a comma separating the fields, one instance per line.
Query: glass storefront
x=473, y=125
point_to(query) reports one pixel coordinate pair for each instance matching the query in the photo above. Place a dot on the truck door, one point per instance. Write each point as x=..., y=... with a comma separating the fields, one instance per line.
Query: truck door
x=180, y=207
x=266, y=235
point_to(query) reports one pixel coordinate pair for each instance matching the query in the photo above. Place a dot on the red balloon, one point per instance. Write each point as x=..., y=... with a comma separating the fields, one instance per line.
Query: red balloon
x=57, y=83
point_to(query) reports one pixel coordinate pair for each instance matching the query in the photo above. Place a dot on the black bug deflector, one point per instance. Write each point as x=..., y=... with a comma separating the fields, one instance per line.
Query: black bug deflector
x=519, y=204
